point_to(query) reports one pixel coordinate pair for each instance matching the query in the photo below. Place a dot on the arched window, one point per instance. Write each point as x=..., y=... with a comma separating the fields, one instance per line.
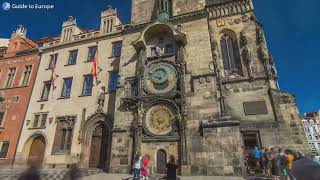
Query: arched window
x=230, y=53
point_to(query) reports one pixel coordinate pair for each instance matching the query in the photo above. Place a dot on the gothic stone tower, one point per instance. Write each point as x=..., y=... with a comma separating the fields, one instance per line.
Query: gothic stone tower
x=198, y=82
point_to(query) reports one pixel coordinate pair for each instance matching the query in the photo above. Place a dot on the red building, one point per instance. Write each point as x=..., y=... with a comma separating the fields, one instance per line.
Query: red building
x=19, y=64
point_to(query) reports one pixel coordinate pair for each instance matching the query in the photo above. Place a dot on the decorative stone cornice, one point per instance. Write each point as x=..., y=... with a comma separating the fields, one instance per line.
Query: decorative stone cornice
x=223, y=8
x=219, y=122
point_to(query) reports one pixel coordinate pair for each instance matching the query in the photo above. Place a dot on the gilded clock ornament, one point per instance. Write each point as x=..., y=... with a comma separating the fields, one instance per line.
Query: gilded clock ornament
x=159, y=120
x=160, y=78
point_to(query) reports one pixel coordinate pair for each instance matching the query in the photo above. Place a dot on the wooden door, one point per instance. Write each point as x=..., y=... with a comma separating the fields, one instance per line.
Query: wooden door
x=36, y=153
x=161, y=162
x=95, y=150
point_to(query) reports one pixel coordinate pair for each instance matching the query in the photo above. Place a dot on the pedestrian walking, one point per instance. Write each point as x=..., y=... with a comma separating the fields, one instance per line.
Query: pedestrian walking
x=290, y=158
x=172, y=169
x=74, y=172
x=256, y=153
x=145, y=167
x=32, y=173
x=137, y=166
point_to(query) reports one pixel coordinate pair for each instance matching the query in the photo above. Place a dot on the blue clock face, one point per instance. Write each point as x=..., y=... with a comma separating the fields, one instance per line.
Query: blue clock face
x=160, y=78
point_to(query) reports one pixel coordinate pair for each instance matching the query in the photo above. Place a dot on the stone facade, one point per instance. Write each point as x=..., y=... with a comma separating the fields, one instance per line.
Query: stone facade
x=62, y=119
x=311, y=124
x=19, y=66
x=225, y=97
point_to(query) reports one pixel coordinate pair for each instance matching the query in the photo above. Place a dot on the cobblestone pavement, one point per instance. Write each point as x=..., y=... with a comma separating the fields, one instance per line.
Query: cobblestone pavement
x=46, y=174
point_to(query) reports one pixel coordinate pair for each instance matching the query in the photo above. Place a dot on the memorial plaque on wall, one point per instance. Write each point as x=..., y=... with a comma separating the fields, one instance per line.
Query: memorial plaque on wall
x=255, y=108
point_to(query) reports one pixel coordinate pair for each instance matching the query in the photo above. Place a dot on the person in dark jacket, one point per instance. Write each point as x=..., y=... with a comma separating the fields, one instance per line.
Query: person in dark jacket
x=31, y=173
x=306, y=169
x=172, y=169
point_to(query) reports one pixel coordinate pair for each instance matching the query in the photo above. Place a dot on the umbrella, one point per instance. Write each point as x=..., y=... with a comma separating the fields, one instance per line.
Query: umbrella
x=306, y=169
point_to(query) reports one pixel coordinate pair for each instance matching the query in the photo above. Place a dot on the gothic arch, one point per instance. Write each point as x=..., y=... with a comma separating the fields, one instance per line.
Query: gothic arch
x=28, y=143
x=154, y=29
x=87, y=129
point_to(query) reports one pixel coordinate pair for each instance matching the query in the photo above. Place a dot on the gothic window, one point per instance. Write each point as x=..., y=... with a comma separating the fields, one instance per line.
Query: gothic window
x=66, y=89
x=92, y=53
x=116, y=49
x=27, y=72
x=230, y=53
x=1, y=118
x=63, y=137
x=4, y=147
x=72, y=57
x=53, y=61
x=113, y=81
x=11, y=74
x=164, y=9
x=46, y=90
x=87, y=85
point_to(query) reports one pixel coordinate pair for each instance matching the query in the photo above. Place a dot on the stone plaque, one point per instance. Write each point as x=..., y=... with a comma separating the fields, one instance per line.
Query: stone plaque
x=255, y=108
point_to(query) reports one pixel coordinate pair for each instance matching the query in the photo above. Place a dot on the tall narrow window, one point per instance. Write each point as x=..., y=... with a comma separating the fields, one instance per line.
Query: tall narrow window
x=63, y=137
x=53, y=61
x=43, y=120
x=46, y=90
x=72, y=57
x=1, y=118
x=4, y=149
x=87, y=85
x=36, y=120
x=113, y=81
x=116, y=49
x=92, y=53
x=26, y=77
x=66, y=90
x=11, y=74
x=228, y=53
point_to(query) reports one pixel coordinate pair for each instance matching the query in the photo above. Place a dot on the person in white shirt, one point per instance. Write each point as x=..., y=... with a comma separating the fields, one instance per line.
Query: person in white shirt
x=137, y=166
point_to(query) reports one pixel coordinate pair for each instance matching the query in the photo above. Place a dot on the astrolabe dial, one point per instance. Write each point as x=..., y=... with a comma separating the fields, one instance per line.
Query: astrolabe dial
x=159, y=120
x=160, y=78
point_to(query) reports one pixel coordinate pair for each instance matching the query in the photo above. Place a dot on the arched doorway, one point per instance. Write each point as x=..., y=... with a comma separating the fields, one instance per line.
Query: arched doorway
x=36, y=152
x=98, y=148
x=161, y=161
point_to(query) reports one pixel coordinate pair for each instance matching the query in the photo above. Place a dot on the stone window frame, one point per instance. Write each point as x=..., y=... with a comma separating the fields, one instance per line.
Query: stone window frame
x=237, y=70
x=112, y=84
x=53, y=61
x=92, y=55
x=1, y=146
x=40, y=122
x=26, y=75
x=63, y=138
x=84, y=84
x=11, y=76
x=116, y=49
x=45, y=84
x=3, y=118
x=64, y=92
x=73, y=56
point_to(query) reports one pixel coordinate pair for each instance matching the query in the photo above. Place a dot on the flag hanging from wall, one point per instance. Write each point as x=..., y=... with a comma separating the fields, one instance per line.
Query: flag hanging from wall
x=95, y=69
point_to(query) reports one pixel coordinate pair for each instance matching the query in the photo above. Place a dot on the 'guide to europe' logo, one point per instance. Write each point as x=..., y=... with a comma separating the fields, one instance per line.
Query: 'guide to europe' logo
x=6, y=6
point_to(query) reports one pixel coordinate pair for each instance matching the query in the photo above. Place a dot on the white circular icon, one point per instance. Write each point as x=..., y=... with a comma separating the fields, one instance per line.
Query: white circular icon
x=6, y=6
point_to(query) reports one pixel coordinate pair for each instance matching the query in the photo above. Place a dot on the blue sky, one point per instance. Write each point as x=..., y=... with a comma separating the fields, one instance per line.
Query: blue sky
x=291, y=28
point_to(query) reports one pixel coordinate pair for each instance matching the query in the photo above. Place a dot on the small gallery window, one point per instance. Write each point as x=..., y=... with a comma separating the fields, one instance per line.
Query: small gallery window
x=169, y=49
x=40, y=120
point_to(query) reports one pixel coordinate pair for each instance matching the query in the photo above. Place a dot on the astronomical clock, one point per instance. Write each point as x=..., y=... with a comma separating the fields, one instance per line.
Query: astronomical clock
x=160, y=78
